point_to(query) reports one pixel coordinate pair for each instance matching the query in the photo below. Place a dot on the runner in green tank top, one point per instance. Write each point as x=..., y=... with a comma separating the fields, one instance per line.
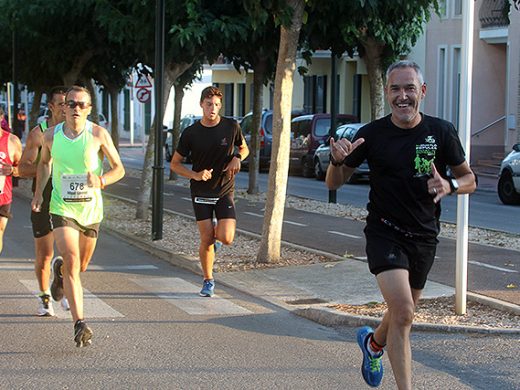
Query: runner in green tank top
x=41, y=223
x=74, y=152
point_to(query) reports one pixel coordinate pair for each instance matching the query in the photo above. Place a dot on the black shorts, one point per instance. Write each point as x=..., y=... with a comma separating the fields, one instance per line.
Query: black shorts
x=204, y=207
x=5, y=210
x=41, y=223
x=61, y=221
x=389, y=249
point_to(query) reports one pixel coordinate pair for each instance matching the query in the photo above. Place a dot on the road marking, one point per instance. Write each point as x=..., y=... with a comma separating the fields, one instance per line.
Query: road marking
x=93, y=267
x=253, y=214
x=261, y=216
x=344, y=234
x=513, y=271
x=186, y=297
x=120, y=183
x=188, y=199
x=169, y=193
x=295, y=223
x=92, y=305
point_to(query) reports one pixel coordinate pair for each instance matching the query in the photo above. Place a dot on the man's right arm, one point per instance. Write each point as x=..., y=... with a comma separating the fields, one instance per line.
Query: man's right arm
x=338, y=174
x=177, y=167
x=28, y=164
x=43, y=171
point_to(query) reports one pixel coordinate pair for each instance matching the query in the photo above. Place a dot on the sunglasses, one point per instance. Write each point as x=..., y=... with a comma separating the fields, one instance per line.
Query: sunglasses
x=73, y=104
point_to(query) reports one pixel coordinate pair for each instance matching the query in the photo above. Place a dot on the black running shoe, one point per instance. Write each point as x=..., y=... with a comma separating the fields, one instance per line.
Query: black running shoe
x=82, y=334
x=57, y=281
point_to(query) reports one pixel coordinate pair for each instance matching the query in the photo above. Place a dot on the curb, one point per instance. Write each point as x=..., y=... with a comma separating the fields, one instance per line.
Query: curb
x=319, y=314
x=330, y=317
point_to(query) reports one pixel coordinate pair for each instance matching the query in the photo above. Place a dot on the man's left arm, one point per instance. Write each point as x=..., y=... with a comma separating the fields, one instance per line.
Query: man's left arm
x=117, y=170
x=233, y=166
x=465, y=179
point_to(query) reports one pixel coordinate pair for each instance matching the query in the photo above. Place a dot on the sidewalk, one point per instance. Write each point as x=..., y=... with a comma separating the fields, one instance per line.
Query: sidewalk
x=309, y=290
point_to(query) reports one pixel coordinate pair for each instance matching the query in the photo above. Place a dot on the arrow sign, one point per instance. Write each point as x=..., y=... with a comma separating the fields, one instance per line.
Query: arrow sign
x=143, y=82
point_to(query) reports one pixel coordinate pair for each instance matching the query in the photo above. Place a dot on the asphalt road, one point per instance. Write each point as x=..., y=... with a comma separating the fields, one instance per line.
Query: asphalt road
x=152, y=331
x=485, y=209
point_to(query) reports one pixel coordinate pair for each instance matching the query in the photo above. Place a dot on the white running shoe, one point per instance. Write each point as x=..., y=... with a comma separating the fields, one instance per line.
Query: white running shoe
x=45, y=308
x=65, y=304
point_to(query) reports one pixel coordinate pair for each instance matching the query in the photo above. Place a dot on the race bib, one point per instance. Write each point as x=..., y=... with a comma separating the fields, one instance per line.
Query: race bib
x=74, y=188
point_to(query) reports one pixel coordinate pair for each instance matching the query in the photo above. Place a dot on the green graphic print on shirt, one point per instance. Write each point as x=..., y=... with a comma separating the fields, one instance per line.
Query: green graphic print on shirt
x=424, y=156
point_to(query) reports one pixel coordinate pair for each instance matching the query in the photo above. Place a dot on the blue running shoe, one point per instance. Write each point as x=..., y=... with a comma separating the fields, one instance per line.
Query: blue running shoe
x=208, y=288
x=372, y=367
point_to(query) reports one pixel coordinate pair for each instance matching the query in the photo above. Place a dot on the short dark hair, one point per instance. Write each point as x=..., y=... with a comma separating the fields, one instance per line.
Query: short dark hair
x=79, y=88
x=406, y=64
x=57, y=90
x=209, y=92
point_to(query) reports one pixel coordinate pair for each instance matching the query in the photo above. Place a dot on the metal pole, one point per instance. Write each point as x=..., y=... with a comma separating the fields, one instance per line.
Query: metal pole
x=461, y=269
x=333, y=110
x=158, y=168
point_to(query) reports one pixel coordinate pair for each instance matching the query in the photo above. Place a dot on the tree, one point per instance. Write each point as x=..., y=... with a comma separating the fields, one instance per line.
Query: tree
x=256, y=50
x=270, y=244
x=195, y=31
x=382, y=31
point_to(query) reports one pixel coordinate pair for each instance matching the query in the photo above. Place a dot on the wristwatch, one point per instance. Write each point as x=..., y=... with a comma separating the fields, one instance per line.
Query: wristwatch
x=334, y=162
x=238, y=155
x=454, y=185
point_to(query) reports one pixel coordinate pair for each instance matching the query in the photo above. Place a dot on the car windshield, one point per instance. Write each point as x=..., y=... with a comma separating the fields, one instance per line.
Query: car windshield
x=323, y=125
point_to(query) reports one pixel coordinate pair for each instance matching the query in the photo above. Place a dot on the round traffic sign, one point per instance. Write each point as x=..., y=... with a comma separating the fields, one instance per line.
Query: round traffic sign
x=143, y=95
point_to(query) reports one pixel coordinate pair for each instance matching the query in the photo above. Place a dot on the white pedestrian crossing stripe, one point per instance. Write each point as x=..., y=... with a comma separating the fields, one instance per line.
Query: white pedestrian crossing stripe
x=92, y=267
x=93, y=307
x=185, y=296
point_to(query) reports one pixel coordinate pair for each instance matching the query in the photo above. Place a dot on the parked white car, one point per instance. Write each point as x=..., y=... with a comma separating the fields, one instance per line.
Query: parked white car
x=509, y=177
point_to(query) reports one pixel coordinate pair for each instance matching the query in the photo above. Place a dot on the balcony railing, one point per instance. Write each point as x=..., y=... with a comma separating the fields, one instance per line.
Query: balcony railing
x=494, y=13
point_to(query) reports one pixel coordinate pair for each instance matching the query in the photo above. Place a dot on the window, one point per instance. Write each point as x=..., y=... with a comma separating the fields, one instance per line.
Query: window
x=443, y=9
x=442, y=64
x=241, y=99
x=457, y=8
x=228, y=99
x=455, y=86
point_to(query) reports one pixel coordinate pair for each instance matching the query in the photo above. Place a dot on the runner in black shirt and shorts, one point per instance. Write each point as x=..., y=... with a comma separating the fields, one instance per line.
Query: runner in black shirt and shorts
x=409, y=154
x=217, y=147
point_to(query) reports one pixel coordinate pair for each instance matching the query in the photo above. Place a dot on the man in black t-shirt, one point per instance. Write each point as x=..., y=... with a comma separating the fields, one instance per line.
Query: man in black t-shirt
x=217, y=147
x=408, y=154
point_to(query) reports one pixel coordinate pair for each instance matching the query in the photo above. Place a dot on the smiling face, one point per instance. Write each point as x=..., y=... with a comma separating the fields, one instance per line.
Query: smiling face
x=404, y=93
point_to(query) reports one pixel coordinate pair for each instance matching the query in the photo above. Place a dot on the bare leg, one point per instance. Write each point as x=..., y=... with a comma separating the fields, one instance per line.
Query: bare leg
x=87, y=245
x=67, y=241
x=3, y=225
x=397, y=323
x=225, y=230
x=206, y=252
x=44, y=251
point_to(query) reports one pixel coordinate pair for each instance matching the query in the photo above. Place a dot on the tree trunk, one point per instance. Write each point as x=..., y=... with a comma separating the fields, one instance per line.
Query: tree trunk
x=254, y=153
x=372, y=57
x=72, y=76
x=35, y=109
x=171, y=72
x=270, y=244
x=94, y=117
x=179, y=95
x=114, y=119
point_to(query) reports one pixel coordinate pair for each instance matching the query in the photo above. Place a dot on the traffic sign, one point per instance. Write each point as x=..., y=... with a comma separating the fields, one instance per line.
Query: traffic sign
x=143, y=81
x=143, y=95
